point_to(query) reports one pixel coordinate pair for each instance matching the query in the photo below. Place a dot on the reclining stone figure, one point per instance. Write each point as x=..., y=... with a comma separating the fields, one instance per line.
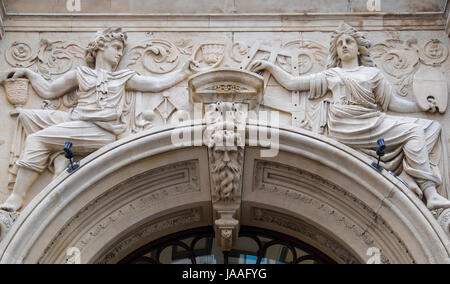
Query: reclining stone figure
x=356, y=117
x=98, y=118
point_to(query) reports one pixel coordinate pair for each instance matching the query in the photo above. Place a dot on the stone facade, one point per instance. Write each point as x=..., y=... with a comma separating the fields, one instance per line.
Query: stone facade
x=410, y=46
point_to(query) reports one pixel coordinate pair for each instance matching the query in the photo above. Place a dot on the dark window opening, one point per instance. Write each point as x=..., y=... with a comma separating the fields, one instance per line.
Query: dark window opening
x=254, y=246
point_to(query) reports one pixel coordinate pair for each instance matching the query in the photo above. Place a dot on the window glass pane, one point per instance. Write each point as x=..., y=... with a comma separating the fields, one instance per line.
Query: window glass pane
x=278, y=254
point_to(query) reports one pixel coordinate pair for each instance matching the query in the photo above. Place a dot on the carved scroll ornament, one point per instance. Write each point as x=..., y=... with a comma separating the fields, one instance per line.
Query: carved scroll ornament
x=155, y=56
x=52, y=58
x=401, y=60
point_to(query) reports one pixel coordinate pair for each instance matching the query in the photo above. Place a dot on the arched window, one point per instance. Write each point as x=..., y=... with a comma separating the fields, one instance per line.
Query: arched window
x=254, y=246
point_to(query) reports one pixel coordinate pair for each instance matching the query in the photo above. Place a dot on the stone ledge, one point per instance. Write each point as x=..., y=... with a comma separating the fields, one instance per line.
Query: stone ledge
x=221, y=6
x=224, y=22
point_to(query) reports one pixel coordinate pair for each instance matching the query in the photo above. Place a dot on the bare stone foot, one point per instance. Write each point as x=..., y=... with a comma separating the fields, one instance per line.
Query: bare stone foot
x=12, y=204
x=437, y=202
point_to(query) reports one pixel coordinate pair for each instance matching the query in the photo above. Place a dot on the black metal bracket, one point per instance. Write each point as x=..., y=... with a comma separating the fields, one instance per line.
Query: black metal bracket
x=380, y=152
x=69, y=155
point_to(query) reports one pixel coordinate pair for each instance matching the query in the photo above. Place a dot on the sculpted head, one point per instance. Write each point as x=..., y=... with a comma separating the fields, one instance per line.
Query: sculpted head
x=226, y=156
x=111, y=42
x=347, y=42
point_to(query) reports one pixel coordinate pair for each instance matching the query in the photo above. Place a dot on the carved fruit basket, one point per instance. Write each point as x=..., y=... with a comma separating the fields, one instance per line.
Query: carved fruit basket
x=17, y=91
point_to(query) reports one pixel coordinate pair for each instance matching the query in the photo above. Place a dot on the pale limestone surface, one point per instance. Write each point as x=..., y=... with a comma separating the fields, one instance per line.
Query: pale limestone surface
x=275, y=96
x=344, y=214
x=220, y=6
x=235, y=33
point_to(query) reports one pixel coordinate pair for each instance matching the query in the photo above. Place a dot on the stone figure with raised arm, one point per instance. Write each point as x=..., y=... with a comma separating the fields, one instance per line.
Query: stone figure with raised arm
x=356, y=116
x=99, y=116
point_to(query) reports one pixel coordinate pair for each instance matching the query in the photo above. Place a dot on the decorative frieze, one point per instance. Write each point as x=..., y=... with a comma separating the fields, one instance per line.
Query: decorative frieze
x=287, y=222
x=150, y=188
x=285, y=181
x=181, y=219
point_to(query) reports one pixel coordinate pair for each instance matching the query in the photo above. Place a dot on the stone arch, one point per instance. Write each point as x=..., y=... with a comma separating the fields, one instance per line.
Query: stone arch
x=143, y=187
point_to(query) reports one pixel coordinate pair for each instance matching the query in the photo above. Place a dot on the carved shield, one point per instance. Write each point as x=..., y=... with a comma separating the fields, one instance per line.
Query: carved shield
x=209, y=55
x=430, y=84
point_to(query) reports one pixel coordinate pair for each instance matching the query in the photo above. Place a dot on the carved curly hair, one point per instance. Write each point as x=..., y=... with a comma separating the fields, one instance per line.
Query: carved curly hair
x=364, y=45
x=102, y=37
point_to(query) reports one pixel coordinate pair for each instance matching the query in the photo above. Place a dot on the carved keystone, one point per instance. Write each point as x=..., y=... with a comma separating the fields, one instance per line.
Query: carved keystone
x=226, y=85
x=226, y=95
x=227, y=229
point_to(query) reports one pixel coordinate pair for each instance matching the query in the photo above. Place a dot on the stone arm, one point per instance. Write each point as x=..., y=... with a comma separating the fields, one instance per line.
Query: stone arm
x=45, y=89
x=401, y=105
x=285, y=79
x=384, y=92
x=157, y=84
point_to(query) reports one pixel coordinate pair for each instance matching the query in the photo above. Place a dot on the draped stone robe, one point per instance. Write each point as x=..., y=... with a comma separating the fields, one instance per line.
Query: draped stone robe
x=356, y=117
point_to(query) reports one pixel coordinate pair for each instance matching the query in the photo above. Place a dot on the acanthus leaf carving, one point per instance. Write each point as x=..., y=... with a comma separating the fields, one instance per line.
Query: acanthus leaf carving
x=156, y=56
x=56, y=58
x=399, y=59
x=52, y=58
x=185, y=46
x=304, y=55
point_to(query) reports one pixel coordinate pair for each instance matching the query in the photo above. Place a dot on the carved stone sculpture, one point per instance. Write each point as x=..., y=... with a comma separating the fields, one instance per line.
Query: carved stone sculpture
x=226, y=158
x=226, y=151
x=227, y=95
x=356, y=115
x=103, y=114
x=16, y=91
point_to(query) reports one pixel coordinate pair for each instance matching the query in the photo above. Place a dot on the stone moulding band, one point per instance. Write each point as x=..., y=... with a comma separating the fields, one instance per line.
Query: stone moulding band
x=24, y=22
